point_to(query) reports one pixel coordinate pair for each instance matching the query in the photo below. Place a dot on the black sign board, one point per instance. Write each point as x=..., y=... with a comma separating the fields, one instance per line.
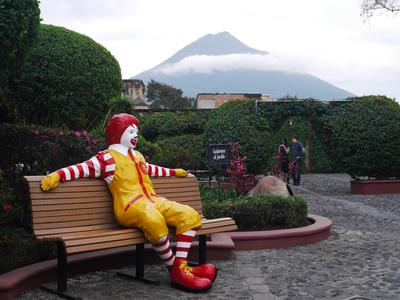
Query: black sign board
x=218, y=154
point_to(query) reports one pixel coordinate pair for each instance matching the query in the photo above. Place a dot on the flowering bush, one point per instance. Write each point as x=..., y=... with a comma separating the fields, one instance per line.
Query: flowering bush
x=241, y=179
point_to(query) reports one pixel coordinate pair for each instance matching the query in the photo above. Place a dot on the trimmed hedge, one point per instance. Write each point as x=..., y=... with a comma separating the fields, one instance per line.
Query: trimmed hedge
x=67, y=80
x=256, y=213
x=258, y=128
x=365, y=134
x=19, y=22
x=185, y=151
x=163, y=124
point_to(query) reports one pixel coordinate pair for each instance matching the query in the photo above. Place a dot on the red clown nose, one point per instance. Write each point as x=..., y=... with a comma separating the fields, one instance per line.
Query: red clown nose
x=117, y=125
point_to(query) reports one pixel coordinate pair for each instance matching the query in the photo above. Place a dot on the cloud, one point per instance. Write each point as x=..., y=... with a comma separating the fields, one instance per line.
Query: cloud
x=207, y=64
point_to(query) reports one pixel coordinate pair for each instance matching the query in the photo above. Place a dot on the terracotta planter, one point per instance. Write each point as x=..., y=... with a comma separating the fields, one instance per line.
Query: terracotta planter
x=375, y=187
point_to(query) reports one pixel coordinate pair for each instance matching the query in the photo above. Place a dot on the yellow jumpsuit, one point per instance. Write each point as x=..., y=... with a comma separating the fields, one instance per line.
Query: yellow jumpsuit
x=137, y=205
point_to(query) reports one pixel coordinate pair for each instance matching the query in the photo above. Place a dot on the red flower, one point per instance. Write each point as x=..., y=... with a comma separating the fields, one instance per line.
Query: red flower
x=7, y=206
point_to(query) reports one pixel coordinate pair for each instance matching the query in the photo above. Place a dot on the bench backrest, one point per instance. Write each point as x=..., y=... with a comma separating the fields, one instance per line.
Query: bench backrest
x=86, y=204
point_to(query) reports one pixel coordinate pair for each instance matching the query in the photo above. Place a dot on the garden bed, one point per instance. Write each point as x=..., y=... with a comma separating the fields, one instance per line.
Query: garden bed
x=375, y=187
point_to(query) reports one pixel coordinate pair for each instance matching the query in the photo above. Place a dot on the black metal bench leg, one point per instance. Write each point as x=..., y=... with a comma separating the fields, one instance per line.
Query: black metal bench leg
x=139, y=267
x=202, y=249
x=61, y=275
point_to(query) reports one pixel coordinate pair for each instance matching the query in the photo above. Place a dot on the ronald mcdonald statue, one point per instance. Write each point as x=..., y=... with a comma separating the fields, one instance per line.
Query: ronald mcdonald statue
x=136, y=204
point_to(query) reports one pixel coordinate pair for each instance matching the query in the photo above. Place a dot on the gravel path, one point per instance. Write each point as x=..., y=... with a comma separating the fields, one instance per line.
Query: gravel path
x=360, y=258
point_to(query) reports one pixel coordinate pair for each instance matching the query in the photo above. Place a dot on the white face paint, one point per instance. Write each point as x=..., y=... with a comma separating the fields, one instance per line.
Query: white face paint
x=130, y=137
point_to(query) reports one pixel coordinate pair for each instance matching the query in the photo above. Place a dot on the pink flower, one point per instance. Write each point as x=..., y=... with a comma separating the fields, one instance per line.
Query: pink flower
x=36, y=132
x=85, y=133
x=61, y=133
x=7, y=206
x=77, y=133
x=94, y=142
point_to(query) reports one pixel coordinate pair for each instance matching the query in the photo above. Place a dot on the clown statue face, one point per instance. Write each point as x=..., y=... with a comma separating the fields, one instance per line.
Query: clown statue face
x=129, y=138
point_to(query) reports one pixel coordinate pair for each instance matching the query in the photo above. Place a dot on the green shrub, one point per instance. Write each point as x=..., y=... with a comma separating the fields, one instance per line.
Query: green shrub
x=166, y=124
x=38, y=150
x=261, y=212
x=67, y=80
x=185, y=151
x=19, y=22
x=23, y=248
x=216, y=194
x=364, y=136
x=148, y=149
x=236, y=123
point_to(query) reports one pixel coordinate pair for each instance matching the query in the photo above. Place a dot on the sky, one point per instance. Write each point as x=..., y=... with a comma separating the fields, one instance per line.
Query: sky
x=326, y=38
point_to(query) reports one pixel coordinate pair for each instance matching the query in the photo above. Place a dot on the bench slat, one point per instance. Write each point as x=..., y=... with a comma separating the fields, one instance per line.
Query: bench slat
x=51, y=219
x=102, y=239
x=71, y=200
x=70, y=212
x=70, y=206
x=50, y=195
x=68, y=188
x=63, y=188
x=44, y=232
x=70, y=224
x=98, y=233
x=101, y=246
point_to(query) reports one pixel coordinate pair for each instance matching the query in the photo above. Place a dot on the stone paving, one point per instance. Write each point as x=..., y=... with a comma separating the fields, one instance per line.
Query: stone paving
x=362, y=257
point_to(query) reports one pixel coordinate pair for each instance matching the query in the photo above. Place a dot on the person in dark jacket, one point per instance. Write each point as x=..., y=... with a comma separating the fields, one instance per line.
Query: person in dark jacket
x=297, y=154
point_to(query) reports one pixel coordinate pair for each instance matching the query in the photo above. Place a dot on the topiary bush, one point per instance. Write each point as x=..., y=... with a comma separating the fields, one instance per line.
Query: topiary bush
x=67, y=80
x=257, y=213
x=364, y=135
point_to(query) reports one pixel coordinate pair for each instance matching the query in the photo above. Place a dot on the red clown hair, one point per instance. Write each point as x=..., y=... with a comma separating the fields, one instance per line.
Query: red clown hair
x=117, y=125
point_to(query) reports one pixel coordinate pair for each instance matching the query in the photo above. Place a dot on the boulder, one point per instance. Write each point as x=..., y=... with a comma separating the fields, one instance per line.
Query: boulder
x=271, y=185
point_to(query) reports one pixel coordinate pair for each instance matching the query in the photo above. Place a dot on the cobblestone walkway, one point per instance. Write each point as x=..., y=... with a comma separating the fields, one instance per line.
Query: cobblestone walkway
x=362, y=257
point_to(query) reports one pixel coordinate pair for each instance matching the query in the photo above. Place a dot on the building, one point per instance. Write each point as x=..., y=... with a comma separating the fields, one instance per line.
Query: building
x=214, y=100
x=135, y=90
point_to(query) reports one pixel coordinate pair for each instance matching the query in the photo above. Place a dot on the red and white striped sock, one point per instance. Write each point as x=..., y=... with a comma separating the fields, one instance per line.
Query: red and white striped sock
x=184, y=242
x=164, y=251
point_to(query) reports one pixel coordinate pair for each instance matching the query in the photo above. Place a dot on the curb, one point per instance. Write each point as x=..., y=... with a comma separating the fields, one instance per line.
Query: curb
x=220, y=246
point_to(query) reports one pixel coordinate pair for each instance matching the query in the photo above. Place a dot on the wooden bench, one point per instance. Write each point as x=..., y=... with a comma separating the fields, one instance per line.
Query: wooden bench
x=78, y=215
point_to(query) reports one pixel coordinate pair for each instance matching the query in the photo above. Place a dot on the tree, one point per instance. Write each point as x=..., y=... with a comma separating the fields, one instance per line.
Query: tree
x=370, y=7
x=19, y=21
x=161, y=95
x=67, y=80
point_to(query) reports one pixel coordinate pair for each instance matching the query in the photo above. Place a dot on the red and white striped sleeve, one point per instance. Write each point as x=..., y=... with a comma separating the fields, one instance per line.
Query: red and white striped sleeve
x=157, y=171
x=101, y=165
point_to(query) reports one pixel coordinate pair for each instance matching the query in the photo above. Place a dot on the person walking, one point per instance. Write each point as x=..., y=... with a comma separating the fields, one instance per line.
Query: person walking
x=283, y=153
x=297, y=154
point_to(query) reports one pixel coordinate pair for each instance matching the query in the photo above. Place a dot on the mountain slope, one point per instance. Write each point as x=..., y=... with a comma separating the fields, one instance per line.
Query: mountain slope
x=220, y=63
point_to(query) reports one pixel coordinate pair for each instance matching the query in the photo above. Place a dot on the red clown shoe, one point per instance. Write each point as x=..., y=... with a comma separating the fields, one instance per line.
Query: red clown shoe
x=208, y=271
x=182, y=278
